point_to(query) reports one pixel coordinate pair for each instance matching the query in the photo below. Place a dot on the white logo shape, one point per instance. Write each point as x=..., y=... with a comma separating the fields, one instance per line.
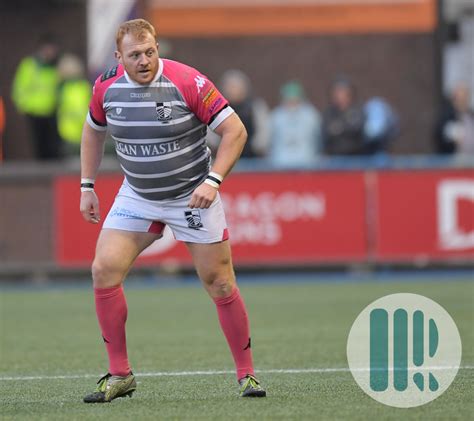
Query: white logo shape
x=200, y=82
x=451, y=237
x=404, y=350
x=119, y=110
x=163, y=110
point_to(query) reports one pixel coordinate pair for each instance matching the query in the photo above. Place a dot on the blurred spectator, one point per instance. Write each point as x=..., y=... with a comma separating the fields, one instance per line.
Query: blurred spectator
x=295, y=128
x=455, y=126
x=73, y=101
x=236, y=87
x=343, y=121
x=34, y=93
x=2, y=126
x=382, y=125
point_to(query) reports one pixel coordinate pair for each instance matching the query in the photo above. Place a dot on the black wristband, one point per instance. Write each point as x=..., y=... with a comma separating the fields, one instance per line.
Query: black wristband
x=216, y=180
x=87, y=185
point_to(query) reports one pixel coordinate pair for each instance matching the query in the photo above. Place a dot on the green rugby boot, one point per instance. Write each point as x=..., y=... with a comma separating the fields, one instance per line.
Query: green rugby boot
x=112, y=387
x=250, y=387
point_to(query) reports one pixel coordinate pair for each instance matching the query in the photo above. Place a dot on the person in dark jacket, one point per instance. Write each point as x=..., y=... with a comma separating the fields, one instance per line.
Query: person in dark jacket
x=343, y=121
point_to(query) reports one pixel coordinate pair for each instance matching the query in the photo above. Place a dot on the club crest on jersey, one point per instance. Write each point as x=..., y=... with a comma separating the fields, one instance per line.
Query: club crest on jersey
x=194, y=219
x=163, y=111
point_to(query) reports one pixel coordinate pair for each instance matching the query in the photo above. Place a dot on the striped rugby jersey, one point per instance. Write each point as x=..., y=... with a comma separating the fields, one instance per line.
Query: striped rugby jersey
x=159, y=129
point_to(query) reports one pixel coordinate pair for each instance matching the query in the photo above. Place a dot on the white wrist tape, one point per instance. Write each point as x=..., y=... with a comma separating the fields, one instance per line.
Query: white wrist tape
x=211, y=183
x=87, y=180
x=218, y=176
x=87, y=184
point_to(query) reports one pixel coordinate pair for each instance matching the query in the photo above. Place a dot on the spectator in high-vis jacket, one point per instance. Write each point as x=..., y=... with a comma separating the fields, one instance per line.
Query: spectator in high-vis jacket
x=73, y=101
x=35, y=94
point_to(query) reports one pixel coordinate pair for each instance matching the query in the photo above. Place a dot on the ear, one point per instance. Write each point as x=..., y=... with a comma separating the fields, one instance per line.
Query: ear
x=118, y=56
x=158, y=46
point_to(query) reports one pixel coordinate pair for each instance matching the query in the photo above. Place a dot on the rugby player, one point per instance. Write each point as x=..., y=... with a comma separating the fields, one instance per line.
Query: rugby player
x=157, y=111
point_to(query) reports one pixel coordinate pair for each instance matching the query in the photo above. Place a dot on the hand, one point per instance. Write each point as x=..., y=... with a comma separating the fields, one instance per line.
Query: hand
x=90, y=207
x=202, y=196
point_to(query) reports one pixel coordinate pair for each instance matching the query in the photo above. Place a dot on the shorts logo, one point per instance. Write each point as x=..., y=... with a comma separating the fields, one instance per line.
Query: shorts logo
x=163, y=111
x=119, y=110
x=124, y=213
x=194, y=219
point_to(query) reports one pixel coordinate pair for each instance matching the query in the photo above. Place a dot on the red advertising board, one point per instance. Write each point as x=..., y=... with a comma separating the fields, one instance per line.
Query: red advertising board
x=273, y=218
x=74, y=238
x=425, y=214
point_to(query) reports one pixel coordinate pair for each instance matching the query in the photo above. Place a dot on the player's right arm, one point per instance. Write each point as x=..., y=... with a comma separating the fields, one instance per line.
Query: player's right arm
x=92, y=151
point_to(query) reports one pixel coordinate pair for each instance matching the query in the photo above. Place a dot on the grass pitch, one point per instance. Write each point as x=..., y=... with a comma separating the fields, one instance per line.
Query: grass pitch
x=51, y=354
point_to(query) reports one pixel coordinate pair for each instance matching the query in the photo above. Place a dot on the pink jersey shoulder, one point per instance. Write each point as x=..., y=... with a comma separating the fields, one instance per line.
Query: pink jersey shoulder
x=200, y=94
x=101, y=85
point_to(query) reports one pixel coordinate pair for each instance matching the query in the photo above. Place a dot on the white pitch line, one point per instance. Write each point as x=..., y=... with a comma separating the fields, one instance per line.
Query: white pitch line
x=215, y=372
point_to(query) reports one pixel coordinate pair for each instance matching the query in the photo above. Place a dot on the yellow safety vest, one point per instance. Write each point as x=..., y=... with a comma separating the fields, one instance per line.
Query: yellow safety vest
x=73, y=104
x=35, y=88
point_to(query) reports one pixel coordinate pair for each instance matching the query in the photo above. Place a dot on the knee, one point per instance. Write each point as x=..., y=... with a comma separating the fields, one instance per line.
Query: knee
x=223, y=286
x=220, y=285
x=105, y=274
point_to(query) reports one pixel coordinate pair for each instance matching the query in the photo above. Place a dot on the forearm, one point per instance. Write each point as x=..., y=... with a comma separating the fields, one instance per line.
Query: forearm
x=230, y=149
x=92, y=150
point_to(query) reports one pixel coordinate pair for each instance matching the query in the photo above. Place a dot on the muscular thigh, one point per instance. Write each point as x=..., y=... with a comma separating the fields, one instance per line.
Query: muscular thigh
x=213, y=262
x=116, y=251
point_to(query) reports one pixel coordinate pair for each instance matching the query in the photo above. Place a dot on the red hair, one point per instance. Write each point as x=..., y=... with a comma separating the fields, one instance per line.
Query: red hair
x=139, y=28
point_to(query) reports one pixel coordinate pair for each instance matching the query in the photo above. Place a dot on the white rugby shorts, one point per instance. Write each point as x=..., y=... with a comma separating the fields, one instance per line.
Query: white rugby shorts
x=131, y=212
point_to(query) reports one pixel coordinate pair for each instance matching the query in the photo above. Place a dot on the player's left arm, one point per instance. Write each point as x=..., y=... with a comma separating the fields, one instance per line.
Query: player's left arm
x=234, y=136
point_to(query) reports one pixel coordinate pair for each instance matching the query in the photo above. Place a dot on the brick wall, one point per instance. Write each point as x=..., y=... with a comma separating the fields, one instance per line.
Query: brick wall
x=399, y=67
